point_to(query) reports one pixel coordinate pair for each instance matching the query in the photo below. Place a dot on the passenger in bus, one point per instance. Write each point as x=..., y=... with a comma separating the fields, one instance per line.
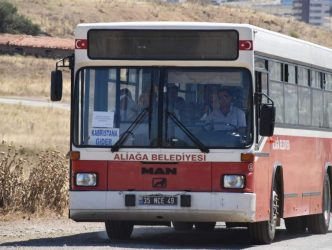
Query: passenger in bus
x=176, y=104
x=143, y=101
x=227, y=117
x=128, y=107
x=211, y=106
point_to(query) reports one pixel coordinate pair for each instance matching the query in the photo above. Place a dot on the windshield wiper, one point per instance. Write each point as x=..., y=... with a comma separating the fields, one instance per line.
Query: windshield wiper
x=129, y=131
x=194, y=139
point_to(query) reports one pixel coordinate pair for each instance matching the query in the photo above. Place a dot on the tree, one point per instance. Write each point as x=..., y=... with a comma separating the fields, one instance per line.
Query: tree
x=12, y=22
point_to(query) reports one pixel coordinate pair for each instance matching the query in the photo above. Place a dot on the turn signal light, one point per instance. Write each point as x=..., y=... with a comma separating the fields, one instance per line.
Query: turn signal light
x=74, y=155
x=247, y=157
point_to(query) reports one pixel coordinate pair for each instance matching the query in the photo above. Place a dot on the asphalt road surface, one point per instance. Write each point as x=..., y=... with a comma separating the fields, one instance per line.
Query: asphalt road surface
x=33, y=102
x=63, y=234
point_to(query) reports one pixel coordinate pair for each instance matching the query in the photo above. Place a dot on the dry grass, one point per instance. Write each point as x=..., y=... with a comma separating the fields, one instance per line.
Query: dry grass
x=33, y=179
x=59, y=17
x=35, y=128
x=33, y=176
x=28, y=76
x=32, y=186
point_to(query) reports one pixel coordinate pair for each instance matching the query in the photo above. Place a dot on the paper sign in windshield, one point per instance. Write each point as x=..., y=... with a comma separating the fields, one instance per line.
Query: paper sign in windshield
x=102, y=119
x=103, y=136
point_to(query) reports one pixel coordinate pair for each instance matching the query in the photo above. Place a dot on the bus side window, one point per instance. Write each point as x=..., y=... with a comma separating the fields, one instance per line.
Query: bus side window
x=328, y=101
x=262, y=84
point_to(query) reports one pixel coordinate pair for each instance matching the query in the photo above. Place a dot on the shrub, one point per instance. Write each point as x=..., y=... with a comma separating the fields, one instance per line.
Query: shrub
x=293, y=34
x=12, y=22
x=42, y=188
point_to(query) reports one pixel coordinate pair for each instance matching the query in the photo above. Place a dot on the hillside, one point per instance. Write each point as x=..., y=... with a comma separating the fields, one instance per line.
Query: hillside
x=33, y=130
x=30, y=77
x=59, y=17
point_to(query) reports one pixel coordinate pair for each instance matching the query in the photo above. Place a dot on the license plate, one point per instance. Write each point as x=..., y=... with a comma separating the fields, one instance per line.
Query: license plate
x=158, y=200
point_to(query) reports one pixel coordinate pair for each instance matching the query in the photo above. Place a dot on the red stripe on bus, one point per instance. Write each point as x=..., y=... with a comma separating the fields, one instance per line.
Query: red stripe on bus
x=98, y=167
x=193, y=176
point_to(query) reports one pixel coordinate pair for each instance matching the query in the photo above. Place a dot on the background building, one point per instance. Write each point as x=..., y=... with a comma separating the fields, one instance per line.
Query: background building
x=286, y=2
x=312, y=11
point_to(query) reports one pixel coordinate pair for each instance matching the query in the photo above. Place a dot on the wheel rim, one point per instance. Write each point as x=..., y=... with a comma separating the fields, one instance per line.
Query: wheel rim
x=326, y=201
x=274, y=213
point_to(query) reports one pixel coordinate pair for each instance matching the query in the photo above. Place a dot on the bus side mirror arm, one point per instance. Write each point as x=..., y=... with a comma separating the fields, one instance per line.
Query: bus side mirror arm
x=267, y=113
x=56, y=77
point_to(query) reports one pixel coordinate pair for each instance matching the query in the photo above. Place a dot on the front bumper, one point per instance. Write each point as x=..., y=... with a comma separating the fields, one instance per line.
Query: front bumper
x=110, y=205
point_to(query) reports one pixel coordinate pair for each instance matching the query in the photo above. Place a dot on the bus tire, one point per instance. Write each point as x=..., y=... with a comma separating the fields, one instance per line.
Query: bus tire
x=319, y=223
x=119, y=230
x=263, y=232
x=182, y=226
x=205, y=226
x=296, y=225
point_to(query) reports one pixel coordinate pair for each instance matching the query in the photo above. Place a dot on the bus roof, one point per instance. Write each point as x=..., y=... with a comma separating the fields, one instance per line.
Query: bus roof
x=162, y=24
x=288, y=48
x=265, y=42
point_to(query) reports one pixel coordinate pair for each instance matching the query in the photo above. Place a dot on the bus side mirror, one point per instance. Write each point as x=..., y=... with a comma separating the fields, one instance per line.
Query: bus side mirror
x=267, y=119
x=56, y=85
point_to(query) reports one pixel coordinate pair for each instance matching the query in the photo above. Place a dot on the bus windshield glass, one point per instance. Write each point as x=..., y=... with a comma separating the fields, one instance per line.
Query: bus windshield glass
x=163, y=107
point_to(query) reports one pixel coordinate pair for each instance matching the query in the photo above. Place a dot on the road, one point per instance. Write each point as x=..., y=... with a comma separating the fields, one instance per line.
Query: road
x=63, y=233
x=33, y=102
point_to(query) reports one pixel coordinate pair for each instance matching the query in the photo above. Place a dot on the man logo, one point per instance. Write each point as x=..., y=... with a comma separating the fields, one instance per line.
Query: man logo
x=163, y=171
x=159, y=182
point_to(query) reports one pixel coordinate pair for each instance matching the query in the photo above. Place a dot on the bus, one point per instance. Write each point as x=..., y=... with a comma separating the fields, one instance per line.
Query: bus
x=188, y=124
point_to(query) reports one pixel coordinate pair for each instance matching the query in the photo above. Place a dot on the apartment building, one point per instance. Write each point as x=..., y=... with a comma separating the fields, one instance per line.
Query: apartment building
x=314, y=12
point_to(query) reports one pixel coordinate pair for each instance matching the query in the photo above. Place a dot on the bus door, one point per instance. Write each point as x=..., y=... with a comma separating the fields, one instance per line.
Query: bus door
x=261, y=86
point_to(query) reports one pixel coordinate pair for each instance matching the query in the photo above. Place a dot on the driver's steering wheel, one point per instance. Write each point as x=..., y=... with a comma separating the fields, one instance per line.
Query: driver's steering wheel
x=225, y=127
x=232, y=127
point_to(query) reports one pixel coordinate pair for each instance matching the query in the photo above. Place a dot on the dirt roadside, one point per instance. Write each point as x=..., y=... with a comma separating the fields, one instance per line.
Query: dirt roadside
x=16, y=232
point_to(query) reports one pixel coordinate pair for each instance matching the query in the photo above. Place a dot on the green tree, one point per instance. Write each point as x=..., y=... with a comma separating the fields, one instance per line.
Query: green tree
x=12, y=22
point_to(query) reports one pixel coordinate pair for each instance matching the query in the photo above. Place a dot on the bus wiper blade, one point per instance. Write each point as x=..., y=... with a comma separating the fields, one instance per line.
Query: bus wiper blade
x=129, y=131
x=194, y=139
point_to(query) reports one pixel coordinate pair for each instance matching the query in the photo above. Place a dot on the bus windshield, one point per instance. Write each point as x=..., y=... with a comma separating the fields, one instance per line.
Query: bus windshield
x=163, y=107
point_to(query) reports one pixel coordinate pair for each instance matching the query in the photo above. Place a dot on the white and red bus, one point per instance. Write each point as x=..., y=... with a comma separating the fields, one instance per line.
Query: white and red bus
x=189, y=124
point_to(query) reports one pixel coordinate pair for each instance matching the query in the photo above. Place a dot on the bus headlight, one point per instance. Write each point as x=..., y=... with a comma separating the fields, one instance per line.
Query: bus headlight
x=233, y=181
x=86, y=179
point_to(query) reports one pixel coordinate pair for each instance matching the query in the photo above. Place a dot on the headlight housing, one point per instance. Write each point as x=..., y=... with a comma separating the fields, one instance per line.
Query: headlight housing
x=86, y=179
x=233, y=181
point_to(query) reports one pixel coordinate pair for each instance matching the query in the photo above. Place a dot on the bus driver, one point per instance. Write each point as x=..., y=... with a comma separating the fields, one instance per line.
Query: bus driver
x=227, y=117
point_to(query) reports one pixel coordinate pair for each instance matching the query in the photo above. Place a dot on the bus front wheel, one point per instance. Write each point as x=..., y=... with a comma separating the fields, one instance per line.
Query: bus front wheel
x=119, y=230
x=319, y=223
x=263, y=232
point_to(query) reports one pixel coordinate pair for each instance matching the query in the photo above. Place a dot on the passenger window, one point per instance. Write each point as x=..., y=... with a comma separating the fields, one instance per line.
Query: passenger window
x=302, y=76
x=260, y=64
x=317, y=111
x=304, y=106
x=291, y=104
x=275, y=69
x=328, y=82
x=328, y=109
x=276, y=94
x=290, y=73
x=315, y=79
